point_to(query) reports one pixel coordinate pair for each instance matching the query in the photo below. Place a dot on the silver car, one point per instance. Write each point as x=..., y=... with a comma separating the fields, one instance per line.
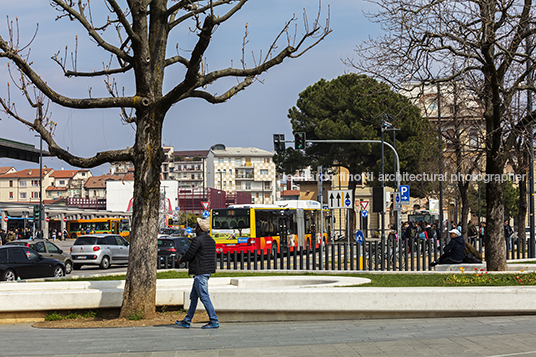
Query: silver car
x=99, y=249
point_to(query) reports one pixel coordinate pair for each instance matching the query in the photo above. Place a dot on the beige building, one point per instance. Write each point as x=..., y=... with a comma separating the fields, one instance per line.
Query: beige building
x=23, y=186
x=243, y=169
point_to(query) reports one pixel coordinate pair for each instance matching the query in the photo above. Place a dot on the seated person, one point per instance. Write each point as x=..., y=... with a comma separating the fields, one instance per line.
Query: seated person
x=454, y=251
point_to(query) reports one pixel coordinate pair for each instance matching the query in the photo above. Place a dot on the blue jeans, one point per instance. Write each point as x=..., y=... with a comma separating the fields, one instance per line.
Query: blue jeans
x=200, y=291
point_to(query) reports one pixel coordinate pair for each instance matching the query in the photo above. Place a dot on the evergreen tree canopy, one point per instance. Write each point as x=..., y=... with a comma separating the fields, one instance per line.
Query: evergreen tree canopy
x=352, y=107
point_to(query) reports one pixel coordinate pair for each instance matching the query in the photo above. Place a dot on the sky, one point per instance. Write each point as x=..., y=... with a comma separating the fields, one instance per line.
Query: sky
x=247, y=120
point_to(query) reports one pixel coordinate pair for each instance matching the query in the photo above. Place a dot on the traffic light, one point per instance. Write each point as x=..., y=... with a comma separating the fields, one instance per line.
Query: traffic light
x=37, y=216
x=279, y=142
x=299, y=140
x=170, y=221
x=36, y=213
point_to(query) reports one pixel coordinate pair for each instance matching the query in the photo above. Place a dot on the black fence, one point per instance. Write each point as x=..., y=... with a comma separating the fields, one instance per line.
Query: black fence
x=401, y=255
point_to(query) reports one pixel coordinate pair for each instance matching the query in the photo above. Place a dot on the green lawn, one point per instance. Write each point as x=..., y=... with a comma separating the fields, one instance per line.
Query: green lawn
x=380, y=280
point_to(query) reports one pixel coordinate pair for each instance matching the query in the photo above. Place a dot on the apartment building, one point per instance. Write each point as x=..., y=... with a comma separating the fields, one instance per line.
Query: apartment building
x=190, y=168
x=23, y=186
x=243, y=169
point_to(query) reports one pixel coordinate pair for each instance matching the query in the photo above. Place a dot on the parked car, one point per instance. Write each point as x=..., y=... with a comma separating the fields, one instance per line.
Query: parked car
x=99, y=249
x=25, y=263
x=173, y=248
x=48, y=250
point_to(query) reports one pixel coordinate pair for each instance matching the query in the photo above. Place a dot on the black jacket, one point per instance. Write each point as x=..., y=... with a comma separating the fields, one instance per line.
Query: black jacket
x=455, y=250
x=201, y=255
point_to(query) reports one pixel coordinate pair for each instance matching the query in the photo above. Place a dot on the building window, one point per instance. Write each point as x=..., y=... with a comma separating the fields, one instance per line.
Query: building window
x=83, y=174
x=22, y=183
x=220, y=160
x=10, y=183
x=264, y=172
x=61, y=182
x=35, y=183
x=22, y=195
x=267, y=160
x=238, y=161
x=248, y=160
x=193, y=176
x=11, y=195
x=248, y=185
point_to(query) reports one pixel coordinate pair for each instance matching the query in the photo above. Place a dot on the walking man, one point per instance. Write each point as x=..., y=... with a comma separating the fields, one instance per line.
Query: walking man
x=202, y=258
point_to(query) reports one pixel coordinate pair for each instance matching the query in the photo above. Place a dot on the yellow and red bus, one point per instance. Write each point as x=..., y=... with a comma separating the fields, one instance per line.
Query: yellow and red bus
x=286, y=224
x=79, y=227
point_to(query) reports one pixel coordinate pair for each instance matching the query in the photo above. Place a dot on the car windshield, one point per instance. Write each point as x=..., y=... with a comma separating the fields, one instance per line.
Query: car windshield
x=86, y=241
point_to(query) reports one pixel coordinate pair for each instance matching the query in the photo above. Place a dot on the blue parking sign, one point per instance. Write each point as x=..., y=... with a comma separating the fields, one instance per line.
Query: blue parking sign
x=404, y=193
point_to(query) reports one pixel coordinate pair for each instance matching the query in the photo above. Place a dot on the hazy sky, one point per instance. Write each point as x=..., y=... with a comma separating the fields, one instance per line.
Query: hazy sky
x=248, y=119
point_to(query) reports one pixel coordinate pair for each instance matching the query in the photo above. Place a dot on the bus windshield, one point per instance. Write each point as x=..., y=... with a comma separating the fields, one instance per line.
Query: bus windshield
x=230, y=223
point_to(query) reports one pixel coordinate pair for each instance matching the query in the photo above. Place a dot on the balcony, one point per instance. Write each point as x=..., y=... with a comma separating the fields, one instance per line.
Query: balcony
x=244, y=176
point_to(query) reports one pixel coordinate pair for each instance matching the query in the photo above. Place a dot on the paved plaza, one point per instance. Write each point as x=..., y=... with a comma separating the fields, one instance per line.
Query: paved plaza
x=475, y=336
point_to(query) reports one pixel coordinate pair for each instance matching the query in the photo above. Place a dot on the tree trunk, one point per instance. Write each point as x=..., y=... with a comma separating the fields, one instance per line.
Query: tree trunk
x=140, y=288
x=495, y=243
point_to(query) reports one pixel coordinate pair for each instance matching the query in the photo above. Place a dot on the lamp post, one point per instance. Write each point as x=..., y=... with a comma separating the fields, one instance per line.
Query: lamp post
x=440, y=139
x=532, y=247
x=221, y=189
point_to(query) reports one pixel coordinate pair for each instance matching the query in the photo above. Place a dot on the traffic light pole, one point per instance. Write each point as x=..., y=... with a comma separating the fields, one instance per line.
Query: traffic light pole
x=397, y=178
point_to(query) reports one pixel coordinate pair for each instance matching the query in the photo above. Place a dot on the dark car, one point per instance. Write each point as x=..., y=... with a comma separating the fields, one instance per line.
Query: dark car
x=25, y=263
x=170, y=249
x=48, y=250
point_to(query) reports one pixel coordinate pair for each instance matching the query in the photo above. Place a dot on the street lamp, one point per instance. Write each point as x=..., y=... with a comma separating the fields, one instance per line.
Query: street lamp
x=40, y=182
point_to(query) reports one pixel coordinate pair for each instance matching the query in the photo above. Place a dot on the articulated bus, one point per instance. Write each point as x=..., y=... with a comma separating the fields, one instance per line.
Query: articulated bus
x=119, y=226
x=286, y=224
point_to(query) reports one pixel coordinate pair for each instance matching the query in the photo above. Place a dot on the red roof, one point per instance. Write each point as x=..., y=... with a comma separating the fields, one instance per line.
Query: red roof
x=66, y=173
x=28, y=173
x=100, y=181
x=290, y=193
x=4, y=170
x=54, y=188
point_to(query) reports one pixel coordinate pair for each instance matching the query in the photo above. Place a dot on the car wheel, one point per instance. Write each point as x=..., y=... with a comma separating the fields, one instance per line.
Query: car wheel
x=105, y=262
x=68, y=267
x=58, y=271
x=9, y=275
x=73, y=235
x=77, y=266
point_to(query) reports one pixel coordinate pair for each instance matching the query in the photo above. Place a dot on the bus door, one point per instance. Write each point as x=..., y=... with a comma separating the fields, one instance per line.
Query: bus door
x=300, y=220
x=115, y=227
x=283, y=231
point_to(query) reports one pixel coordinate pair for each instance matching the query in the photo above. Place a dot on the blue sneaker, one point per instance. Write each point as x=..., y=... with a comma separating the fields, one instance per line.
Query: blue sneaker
x=211, y=325
x=182, y=324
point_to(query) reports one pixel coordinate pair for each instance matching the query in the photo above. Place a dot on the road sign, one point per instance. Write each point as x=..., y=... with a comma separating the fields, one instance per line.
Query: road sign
x=404, y=194
x=359, y=237
x=47, y=219
x=364, y=213
x=188, y=230
x=340, y=199
x=64, y=219
x=364, y=205
x=206, y=214
x=397, y=201
x=6, y=219
x=205, y=205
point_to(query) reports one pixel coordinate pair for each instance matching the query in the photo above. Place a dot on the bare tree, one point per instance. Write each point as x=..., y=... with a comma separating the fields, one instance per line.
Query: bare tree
x=482, y=39
x=143, y=30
